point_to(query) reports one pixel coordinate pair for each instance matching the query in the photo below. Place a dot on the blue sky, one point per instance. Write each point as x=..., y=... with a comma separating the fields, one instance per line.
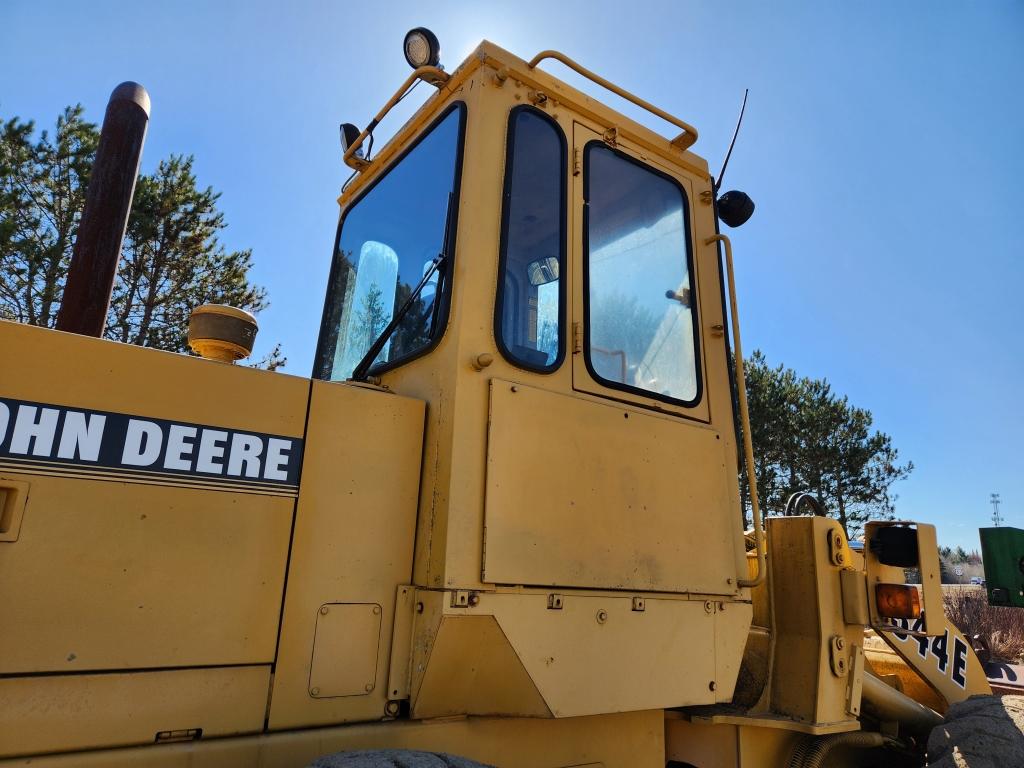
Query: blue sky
x=881, y=144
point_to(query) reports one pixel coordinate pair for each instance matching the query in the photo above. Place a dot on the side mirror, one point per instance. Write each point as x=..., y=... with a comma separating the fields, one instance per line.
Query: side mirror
x=735, y=207
x=349, y=134
x=543, y=271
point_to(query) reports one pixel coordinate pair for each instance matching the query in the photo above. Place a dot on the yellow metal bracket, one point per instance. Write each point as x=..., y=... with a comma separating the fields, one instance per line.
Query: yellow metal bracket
x=433, y=75
x=741, y=389
x=684, y=140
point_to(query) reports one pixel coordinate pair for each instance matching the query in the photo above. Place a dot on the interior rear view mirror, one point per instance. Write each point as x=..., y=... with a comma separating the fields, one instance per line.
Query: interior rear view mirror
x=543, y=270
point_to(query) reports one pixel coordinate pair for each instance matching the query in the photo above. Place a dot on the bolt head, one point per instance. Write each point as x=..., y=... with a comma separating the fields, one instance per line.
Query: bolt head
x=314, y=691
x=323, y=610
x=369, y=687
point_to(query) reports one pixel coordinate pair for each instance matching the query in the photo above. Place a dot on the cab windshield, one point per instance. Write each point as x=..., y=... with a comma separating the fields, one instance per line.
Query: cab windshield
x=388, y=240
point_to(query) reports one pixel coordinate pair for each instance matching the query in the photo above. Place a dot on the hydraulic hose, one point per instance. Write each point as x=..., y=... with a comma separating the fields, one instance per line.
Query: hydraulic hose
x=812, y=752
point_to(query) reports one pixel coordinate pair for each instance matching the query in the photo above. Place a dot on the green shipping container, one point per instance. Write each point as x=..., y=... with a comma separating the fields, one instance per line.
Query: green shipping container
x=1002, y=550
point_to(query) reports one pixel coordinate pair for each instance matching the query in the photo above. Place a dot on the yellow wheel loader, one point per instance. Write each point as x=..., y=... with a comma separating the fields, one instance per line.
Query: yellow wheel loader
x=501, y=524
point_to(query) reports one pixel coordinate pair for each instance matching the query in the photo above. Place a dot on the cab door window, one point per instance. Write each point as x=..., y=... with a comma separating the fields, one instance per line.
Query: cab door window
x=529, y=324
x=640, y=310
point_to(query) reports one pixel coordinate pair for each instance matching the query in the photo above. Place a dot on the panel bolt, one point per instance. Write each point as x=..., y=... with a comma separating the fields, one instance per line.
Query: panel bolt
x=840, y=643
x=712, y=685
x=314, y=691
x=369, y=687
x=376, y=610
x=323, y=610
x=602, y=616
x=474, y=598
x=419, y=607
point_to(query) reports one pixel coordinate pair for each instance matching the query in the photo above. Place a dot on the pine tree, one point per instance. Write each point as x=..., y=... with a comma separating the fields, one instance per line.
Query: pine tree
x=42, y=194
x=371, y=319
x=808, y=438
x=171, y=259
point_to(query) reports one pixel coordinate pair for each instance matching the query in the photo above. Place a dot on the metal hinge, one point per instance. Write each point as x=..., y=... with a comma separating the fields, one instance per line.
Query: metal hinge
x=577, y=339
x=576, y=161
x=856, y=687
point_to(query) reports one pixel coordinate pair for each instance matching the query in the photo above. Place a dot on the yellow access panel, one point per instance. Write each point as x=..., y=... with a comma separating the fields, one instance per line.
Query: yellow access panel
x=600, y=495
x=156, y=495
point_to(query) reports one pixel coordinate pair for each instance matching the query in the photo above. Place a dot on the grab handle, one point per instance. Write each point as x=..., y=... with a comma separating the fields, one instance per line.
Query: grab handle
x=741, y=391
x=13, y=497
x=684, y=140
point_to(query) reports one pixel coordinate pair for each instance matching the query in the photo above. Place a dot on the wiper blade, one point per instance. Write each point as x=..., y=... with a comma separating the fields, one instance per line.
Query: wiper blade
x=362, y=370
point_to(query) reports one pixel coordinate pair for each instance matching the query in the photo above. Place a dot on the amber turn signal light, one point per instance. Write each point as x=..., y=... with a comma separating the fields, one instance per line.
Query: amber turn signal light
x=897, y=601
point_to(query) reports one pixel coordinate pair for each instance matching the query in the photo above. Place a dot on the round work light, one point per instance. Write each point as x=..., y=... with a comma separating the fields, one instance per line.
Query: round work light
x=422, y=48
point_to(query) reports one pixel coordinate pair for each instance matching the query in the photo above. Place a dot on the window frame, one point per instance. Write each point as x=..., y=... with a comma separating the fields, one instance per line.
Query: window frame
x=447, y=272
x=585, y=268
x=563, y=253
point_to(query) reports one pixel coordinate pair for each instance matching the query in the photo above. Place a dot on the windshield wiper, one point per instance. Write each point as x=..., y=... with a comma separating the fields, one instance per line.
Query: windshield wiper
x=362, y=370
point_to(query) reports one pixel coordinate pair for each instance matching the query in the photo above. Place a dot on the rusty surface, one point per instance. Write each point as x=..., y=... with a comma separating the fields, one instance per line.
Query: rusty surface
x=108, y=200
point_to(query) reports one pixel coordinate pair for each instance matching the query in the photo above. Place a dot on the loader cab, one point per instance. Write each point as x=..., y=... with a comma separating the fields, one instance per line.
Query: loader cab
x=556, y=302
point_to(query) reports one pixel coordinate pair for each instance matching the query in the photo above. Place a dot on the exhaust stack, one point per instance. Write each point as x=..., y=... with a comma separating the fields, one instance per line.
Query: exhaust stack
x=108, y=200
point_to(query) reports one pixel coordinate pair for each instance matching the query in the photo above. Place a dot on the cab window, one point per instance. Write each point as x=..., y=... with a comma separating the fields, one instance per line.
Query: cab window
x=529, y=327
x=640, y=311
x=388, y=242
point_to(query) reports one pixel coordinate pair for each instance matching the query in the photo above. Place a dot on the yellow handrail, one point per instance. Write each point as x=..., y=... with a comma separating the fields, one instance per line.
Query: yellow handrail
x=748, y=444
x=684, y=140
x=433, y=75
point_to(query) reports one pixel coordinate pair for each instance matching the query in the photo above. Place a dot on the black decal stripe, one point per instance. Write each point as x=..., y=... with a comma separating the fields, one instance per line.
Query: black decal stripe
x=121, y=472
x=140, y=478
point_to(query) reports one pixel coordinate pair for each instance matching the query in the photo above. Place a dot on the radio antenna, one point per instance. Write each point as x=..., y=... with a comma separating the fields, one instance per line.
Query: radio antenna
x=739, y=122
